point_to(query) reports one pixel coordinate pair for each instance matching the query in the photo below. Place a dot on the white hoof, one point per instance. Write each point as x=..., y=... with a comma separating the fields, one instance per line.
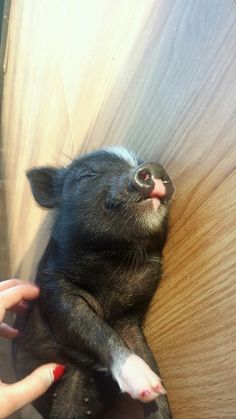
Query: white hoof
x=136, y=378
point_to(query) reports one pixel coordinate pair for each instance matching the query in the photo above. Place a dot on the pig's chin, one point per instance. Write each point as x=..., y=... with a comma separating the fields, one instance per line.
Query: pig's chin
x=151, y=213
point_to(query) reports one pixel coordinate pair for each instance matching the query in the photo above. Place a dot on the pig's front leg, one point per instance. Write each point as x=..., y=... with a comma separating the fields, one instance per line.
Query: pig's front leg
x=76, y=325
x=130, y=331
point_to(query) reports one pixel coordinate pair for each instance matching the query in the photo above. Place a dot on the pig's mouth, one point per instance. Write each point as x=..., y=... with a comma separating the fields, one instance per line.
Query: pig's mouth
x=147, y=188
x=130, y=199
x=150, y=203
x=160, y=194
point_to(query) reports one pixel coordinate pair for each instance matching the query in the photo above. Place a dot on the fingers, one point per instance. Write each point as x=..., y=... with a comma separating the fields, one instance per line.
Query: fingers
x=8, y=331
x=16, y=396
x=9, y=283
x=4, y=285
x=12, y=296
x=20, y=308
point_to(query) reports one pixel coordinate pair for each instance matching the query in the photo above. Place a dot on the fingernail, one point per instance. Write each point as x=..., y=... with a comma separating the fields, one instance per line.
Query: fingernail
x=58, y=372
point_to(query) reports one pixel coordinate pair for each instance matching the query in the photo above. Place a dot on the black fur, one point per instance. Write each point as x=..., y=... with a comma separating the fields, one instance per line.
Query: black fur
x=97, y=276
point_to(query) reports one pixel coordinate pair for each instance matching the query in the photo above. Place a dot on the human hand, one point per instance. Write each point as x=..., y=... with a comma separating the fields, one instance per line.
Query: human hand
x=13, y=294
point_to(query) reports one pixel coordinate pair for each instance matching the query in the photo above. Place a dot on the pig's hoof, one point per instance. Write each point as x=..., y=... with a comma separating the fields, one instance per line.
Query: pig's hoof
x=137, y=379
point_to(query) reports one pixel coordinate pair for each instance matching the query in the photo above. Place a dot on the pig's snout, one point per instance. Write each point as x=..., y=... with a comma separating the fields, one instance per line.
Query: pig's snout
x=151, y=180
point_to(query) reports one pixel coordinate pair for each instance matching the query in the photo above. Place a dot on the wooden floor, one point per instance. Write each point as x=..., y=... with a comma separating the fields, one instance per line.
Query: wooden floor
x=160, y=78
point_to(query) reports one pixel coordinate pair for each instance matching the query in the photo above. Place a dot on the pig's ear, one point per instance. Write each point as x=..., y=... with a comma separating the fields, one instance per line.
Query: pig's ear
x=45, y=185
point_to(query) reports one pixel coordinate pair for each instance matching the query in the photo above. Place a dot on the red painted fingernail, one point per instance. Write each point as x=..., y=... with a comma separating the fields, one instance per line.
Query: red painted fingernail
x=58, y=372
x=145, y=393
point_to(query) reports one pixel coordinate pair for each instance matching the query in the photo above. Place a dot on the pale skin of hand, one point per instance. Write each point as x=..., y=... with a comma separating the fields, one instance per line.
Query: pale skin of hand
x=13, y=294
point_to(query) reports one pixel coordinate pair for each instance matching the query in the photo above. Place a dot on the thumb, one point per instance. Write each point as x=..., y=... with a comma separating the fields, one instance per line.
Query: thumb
x=15, y=396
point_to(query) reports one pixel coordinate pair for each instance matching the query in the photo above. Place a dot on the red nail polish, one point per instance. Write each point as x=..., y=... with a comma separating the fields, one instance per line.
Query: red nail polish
x=58, y=372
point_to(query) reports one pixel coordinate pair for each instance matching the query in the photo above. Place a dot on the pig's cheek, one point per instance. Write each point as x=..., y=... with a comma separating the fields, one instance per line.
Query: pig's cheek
x=137, y=379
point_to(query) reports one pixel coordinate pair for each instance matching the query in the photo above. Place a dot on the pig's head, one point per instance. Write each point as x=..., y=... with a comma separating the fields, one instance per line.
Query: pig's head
x=105, y=197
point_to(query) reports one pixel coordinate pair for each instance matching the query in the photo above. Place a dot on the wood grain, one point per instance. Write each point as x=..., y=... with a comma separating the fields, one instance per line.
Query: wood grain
x=159, y=77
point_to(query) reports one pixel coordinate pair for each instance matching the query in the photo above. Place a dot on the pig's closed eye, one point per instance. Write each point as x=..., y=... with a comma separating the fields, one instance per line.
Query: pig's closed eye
x=84, y=175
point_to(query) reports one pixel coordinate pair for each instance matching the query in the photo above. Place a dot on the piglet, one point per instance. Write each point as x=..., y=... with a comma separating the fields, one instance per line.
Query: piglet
x=97, y=276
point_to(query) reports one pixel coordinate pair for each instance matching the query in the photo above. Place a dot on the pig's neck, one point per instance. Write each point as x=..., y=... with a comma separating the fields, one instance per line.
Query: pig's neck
x=73, y=262
x=139, y=249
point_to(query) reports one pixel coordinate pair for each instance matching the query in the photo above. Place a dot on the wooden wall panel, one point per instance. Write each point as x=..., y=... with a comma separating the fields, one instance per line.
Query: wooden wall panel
x=159, y=77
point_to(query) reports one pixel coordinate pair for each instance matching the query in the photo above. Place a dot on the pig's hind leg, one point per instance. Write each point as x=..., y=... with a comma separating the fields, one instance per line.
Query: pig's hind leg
x=77, y=396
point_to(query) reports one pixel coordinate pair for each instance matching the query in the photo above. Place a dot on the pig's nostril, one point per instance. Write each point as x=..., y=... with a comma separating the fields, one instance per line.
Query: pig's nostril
x=150, y=180
x=144, y=175
x=142, y=181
